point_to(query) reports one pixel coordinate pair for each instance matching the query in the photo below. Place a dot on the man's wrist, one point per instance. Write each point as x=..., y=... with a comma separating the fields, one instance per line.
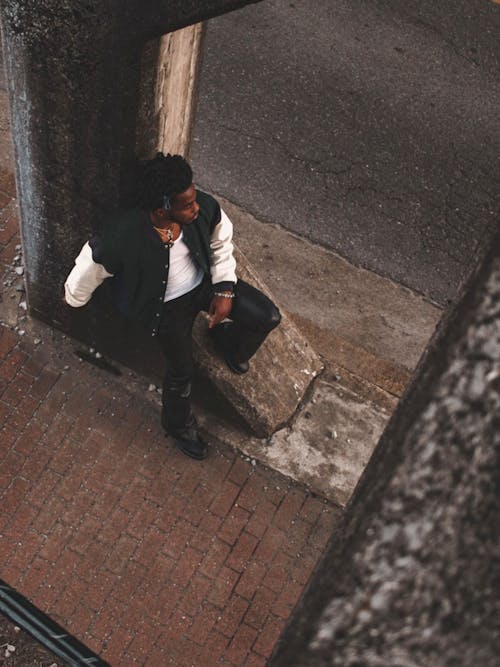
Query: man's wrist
x=224, y=289
x=225, y=295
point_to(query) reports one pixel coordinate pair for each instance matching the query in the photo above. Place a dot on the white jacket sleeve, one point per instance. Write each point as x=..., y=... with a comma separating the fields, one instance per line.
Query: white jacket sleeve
x=222, y=262
x=85, y=277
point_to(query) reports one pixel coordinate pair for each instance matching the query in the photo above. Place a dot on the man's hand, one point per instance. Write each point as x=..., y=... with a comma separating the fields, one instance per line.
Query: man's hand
x=219, y=309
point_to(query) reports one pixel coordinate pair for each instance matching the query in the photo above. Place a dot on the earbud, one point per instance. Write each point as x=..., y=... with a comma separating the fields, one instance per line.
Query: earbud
x=166, y=203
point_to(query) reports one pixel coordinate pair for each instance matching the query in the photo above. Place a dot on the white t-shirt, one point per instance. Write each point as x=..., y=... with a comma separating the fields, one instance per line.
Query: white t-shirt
x=183, y=274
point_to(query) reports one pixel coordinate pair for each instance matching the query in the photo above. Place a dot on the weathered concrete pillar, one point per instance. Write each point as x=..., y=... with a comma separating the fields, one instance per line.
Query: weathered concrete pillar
x=411, y=577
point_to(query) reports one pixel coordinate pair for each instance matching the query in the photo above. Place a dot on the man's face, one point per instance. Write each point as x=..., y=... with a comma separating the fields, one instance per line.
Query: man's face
x=184, y=207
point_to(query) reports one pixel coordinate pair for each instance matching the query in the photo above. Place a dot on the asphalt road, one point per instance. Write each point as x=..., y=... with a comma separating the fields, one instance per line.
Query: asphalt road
x=370, y=127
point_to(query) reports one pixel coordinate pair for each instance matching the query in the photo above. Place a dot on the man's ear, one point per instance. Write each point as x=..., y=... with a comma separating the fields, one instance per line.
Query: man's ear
x=160, y=213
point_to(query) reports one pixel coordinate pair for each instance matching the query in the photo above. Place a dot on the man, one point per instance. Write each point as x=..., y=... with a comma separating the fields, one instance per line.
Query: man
x=169, y=258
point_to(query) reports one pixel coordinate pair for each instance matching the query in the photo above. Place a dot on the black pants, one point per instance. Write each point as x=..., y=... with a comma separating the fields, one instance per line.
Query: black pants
x=253, y=317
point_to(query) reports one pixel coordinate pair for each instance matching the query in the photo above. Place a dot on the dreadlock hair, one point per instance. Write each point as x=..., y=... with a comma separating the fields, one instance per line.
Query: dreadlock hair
x=163, y=176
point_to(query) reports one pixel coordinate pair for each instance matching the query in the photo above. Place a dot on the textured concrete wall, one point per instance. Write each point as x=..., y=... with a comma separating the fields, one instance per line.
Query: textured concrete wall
x=412, y=576
x=73, y=69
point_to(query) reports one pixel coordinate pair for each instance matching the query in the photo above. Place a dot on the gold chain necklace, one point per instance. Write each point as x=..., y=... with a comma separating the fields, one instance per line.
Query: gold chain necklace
x=167, y=235
x=170, y=237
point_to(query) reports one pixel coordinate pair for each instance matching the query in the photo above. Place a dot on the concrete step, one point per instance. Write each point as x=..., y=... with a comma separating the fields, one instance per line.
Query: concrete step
x=326, y=447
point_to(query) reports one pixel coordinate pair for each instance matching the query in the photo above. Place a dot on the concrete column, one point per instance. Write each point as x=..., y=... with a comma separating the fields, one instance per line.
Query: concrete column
x=411, y=577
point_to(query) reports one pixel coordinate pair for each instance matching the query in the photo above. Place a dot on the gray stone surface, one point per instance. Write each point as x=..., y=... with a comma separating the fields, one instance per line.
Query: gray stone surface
x=330, y=442
x=412, y=576
x=327, y=444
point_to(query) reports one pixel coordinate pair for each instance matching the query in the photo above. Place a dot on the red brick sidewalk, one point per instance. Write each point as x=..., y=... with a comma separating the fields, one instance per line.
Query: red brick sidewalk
x=146, y=556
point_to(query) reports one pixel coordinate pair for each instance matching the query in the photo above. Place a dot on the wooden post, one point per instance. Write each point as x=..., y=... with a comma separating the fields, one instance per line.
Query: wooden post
x=169, y=82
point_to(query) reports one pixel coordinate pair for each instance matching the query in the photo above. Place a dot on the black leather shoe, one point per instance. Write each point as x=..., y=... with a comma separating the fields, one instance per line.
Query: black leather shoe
x=218, y=335
x=187, y=439
x=240, y=367
x=190, y=443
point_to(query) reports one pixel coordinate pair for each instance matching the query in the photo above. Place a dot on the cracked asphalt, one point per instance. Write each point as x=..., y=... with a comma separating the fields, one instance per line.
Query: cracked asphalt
x=371, y=128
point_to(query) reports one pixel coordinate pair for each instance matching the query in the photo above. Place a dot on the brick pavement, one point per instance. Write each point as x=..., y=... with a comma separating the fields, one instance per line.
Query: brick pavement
x=146, y=556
